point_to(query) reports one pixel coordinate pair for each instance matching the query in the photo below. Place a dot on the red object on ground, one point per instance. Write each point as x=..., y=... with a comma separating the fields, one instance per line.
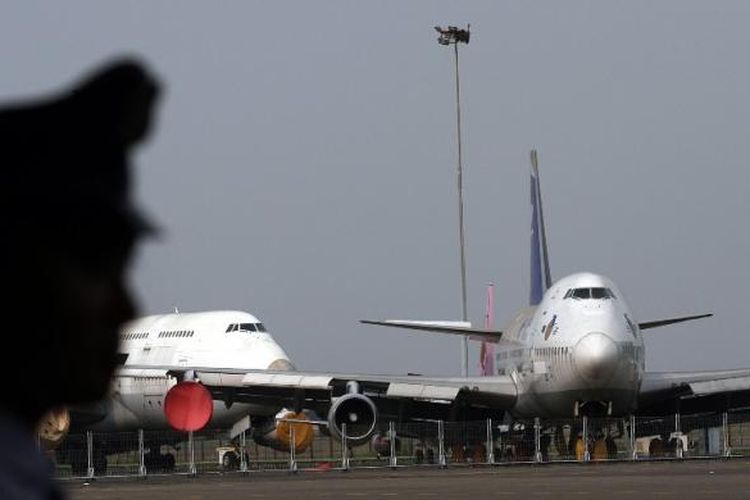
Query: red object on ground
x=188, y=406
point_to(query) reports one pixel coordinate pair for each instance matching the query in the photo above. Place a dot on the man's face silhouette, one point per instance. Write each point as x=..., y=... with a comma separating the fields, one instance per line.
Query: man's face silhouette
x=70, y=228
x=94, y=303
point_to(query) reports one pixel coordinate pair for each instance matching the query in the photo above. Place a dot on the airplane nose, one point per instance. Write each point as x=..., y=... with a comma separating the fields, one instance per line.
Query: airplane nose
x=282, y=364
x=596, y=357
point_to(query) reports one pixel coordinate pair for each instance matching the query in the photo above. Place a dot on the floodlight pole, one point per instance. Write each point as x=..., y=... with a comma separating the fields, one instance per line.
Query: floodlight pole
x=452, y=36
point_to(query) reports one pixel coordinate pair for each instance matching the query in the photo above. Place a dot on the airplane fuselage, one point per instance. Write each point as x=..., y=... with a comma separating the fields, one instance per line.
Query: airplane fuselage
x=578, y=350
x=227, y=339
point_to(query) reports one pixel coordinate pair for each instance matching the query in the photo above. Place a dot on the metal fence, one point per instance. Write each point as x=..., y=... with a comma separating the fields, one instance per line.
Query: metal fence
x=415, y=444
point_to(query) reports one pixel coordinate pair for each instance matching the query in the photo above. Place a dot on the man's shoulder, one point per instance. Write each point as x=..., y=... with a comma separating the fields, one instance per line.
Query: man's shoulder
x=25, y=473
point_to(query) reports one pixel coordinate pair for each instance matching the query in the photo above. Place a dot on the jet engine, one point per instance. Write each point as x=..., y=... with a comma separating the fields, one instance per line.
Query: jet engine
x=359, y=414
x=287, y=425
x=53, y=427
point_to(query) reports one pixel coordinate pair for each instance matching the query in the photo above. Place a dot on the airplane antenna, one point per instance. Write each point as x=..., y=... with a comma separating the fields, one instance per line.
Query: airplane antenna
x=487, y=352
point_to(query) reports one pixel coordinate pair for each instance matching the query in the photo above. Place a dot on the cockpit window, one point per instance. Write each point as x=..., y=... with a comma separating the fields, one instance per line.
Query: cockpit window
x=582, y=293
x=246, y=327
x=602, y=293
x=590, y=293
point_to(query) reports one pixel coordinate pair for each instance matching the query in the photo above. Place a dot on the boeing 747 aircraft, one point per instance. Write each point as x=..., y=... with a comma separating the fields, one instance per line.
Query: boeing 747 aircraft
x=576, y=349
x=218, y=339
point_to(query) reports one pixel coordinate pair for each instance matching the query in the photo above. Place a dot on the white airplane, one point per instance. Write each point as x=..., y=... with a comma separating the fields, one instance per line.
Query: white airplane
x=138, y=395
x=577, y=349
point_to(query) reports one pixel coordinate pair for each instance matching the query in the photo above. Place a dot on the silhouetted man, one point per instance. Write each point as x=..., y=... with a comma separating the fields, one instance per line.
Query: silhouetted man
x=68, y=230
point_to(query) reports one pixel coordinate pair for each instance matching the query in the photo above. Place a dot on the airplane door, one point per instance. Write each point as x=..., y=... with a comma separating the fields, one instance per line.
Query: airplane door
x=153, y=402
x=153, y=399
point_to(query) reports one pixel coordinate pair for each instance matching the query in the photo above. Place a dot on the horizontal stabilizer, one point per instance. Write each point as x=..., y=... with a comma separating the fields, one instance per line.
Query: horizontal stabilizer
x=449, y=327
x=671, y=321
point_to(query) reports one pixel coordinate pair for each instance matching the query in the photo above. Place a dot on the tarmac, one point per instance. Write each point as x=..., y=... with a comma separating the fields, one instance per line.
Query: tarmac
x=695, y=479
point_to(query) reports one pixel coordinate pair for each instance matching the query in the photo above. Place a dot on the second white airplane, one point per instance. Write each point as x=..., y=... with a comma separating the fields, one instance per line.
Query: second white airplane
x=138, y=395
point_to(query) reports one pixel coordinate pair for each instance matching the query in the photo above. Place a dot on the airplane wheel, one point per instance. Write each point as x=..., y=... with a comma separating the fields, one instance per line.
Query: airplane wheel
x=230, y=461
x=544, y=444
x=600, y=450
x=100, y=464
x=563, y=440
x=78, y=463
x=611, y=448
x=156, y=462
x=169, y=462
x=479, y=455
x=580, y=449
x=655, y=448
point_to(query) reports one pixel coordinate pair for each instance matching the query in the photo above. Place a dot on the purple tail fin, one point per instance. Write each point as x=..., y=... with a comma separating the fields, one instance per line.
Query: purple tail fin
x=540, y=274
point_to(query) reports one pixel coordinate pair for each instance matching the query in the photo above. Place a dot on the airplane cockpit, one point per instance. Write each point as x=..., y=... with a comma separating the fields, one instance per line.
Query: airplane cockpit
x=589, y=293
x=246, y=327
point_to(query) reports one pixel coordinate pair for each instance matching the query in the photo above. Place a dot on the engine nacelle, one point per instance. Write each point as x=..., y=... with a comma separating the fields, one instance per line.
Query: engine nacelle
x=288, y=426
x=188, y=406
x=53, y=428
x=359, y=414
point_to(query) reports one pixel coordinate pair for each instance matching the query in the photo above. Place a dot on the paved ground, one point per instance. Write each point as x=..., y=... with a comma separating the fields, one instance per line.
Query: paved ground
x=689, y=479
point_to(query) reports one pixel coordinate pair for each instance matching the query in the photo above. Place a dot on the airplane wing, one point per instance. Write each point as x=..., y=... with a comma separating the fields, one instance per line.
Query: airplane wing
x=451, y=327
x=667, y=392
x=670, y=321
x=413, y=397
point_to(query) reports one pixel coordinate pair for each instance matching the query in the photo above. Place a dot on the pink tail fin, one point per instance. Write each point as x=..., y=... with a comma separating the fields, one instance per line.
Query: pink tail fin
x=487, y=353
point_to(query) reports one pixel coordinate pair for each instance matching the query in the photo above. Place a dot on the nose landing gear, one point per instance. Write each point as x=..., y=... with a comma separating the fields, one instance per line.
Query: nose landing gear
x=592, y=408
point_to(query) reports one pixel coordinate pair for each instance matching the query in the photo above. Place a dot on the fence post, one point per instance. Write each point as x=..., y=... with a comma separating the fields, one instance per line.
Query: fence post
x=243, y=451
x=393, y=460
x=537, y=441
x=141, y=454
x=490, y=443
x=441, y=445
x=89, y=454
x=586, y=454
x=725, y=434
x=292, y=450
x=191, y=449
x=678, y=452
x=344, y=449
x=633, y=450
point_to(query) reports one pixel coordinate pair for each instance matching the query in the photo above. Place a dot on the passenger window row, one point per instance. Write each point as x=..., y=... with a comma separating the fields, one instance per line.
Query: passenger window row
x=552, y=351
x=176, y=333
x=135, y=335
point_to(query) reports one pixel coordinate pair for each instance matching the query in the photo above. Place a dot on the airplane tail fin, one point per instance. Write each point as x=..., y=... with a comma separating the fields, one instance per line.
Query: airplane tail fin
x=487, y=352
x=540, y=273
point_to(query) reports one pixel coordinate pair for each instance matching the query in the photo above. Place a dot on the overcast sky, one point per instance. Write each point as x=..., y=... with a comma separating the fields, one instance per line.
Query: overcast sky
x=303, y=164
